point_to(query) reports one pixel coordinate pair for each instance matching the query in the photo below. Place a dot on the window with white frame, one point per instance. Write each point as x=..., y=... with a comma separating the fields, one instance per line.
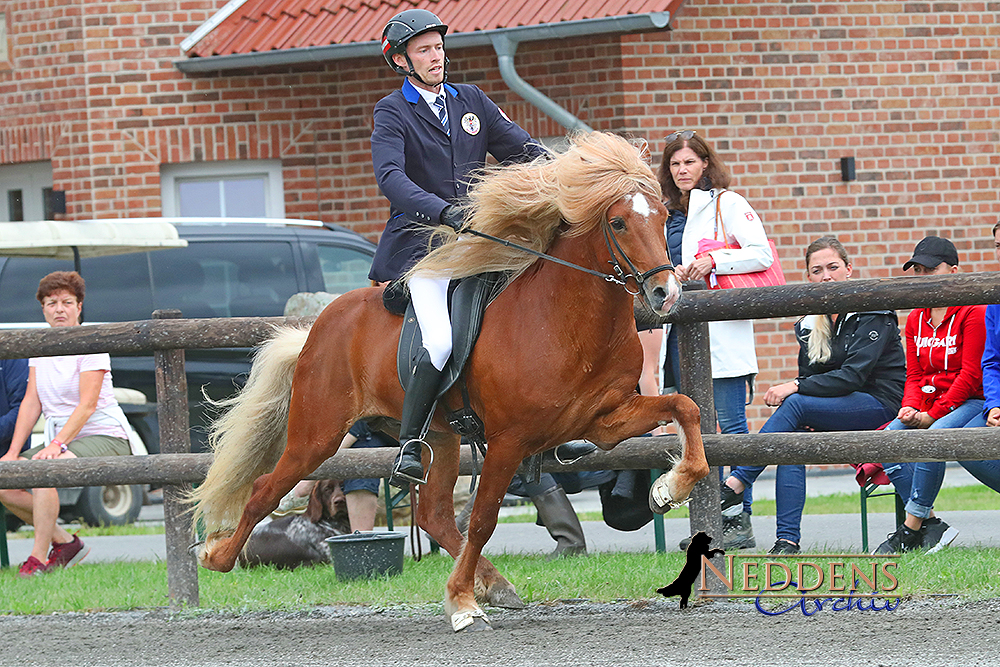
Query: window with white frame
x=223, y=189
x=23, y=191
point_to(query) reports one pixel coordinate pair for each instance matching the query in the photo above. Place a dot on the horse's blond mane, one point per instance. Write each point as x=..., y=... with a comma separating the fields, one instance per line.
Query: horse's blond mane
x=527, y=203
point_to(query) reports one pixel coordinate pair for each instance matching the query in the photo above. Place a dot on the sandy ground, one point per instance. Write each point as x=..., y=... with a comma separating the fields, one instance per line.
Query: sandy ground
x=922, y=632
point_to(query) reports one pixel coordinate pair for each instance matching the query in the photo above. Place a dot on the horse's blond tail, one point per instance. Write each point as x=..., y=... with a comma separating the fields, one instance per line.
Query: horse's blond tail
x=248, y=437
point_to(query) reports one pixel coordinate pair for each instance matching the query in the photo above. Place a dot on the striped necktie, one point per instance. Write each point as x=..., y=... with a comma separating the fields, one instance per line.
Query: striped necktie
x=442, y=113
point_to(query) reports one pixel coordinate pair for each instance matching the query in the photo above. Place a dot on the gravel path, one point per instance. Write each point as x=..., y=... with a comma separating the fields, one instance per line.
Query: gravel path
x=941, y=631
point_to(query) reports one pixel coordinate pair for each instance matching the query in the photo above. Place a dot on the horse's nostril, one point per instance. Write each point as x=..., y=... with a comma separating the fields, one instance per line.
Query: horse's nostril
x=659, y=296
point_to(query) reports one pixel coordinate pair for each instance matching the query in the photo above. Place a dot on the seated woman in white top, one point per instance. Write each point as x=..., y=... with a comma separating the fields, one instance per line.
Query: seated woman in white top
x=82, y=419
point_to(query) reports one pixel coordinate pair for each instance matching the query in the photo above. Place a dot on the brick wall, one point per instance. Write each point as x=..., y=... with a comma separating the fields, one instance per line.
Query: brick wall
x=782, y=89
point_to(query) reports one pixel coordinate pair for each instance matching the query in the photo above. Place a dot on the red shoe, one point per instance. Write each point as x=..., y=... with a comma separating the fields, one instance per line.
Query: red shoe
x=31, y=567
x=68, y=554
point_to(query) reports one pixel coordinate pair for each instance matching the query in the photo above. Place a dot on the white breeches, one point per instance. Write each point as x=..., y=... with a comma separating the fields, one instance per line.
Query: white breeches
x=430, y=303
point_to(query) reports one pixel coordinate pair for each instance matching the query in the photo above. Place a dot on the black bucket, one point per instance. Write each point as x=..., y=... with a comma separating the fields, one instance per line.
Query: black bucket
x=360, y=555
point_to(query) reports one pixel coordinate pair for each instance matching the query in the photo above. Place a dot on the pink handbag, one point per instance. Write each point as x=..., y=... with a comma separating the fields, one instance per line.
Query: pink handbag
x=769, y=277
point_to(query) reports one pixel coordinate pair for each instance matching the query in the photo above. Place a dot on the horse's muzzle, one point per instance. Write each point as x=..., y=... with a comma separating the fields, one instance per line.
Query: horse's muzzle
x=662, y=297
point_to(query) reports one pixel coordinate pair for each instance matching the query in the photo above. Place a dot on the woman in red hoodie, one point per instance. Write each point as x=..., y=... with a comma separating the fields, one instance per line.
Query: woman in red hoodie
x=944, y=389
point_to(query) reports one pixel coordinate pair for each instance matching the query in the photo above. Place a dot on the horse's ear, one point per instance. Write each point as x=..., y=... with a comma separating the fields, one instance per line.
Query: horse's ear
x=642, y=146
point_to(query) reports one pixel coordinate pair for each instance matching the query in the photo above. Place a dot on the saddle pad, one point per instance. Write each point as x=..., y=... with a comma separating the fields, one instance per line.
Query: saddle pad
x=467, y=304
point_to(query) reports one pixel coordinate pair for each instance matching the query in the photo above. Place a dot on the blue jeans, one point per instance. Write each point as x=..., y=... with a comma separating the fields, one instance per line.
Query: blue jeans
x=730, y=397
x=366, y=438
x=855, y=412
x=987, y=472
x=919, y=483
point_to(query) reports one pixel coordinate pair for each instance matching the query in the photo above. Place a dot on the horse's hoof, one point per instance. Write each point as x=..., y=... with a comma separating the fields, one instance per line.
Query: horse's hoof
x=472, y=620
x=660, y=501
x=504, y=597
x=478, y=625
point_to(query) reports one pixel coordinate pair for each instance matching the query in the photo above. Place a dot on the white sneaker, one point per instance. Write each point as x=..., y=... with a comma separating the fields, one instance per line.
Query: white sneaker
x=292, y=504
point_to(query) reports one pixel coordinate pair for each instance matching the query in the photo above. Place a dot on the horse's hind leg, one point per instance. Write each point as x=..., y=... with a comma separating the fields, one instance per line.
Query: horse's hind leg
x=436, y=515
x=311, y=440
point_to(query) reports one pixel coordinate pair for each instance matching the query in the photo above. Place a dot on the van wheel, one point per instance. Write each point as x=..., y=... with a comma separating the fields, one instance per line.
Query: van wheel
x=113, y=505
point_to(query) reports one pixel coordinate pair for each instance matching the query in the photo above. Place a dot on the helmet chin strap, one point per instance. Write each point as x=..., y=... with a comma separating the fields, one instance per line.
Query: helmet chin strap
x=413, y=72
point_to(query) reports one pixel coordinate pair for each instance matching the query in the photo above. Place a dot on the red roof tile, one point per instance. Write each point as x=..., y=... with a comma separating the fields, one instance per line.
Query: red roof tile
x=269, y=25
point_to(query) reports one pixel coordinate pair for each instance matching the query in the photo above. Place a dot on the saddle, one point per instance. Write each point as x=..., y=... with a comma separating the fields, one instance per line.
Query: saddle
x=467, y=301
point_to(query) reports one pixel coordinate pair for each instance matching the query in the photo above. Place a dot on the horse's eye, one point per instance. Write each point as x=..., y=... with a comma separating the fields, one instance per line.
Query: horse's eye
x=617, y=223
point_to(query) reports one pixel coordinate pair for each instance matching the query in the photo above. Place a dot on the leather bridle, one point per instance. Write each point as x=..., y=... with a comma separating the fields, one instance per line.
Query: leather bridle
x=619, y=275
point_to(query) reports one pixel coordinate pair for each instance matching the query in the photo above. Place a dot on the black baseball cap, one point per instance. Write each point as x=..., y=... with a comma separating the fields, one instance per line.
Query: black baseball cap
x=933, y=250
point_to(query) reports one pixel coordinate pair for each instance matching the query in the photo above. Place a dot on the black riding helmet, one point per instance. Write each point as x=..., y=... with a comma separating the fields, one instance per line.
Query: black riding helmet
x=403, y=27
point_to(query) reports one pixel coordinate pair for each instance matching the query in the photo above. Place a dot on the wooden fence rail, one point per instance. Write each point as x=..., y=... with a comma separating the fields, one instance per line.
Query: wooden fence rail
x=634, y=453
x=174, y=468
x=844, y=296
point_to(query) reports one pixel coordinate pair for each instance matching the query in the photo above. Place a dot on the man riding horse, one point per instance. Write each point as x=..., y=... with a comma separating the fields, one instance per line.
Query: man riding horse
x=428, y=137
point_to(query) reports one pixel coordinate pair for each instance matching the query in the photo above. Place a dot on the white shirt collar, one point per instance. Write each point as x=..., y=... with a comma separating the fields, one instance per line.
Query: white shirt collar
x=429, y=97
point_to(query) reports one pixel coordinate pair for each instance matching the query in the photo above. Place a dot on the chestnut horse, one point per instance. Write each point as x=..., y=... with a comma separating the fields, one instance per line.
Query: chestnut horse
x=558, y=359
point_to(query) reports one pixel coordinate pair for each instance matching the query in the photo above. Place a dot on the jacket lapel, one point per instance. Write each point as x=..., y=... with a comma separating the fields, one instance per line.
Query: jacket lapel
x=421, y=108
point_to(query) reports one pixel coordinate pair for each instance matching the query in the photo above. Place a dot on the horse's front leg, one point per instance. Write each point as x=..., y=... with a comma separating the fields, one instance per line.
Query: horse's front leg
x=502, y=460
x=436, y=515
x=641, y=414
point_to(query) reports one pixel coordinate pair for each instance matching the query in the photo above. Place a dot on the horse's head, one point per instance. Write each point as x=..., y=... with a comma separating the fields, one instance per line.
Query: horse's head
x=634, y=235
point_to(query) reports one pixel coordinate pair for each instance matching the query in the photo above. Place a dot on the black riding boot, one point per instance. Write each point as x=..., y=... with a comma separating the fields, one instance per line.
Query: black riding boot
x=421, y=393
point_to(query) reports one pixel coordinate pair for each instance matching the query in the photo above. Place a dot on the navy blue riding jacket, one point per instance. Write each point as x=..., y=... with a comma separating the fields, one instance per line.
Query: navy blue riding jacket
x=13, y=383
x=421, y=169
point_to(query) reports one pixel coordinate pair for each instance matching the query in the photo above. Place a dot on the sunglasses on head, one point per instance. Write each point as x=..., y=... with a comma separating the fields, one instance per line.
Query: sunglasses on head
x=684, y=134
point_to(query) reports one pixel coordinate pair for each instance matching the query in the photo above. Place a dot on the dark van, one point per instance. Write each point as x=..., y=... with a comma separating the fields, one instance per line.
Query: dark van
x=230, y=268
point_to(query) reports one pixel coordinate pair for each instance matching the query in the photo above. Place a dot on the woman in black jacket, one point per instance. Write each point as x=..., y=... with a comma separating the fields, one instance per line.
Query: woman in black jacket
x=851, y=374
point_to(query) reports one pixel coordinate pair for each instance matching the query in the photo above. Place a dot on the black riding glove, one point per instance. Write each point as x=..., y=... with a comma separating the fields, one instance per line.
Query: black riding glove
x=452, y=217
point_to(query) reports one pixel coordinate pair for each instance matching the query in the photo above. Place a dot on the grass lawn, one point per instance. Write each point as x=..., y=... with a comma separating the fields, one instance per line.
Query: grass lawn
x=604, y=577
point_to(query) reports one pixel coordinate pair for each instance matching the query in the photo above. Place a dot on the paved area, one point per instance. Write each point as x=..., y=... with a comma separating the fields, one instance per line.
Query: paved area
x=820, y=532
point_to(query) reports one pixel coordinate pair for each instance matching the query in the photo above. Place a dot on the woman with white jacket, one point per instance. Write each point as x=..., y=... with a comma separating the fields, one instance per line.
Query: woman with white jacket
x=694, y=181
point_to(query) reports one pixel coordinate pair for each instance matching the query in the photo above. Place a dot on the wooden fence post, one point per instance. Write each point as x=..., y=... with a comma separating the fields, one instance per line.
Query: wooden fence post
x=696, y=381
x=175, y=438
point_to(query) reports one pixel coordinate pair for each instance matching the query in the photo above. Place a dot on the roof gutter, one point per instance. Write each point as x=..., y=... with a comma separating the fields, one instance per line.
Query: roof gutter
x=505, y=48
x=503, y=40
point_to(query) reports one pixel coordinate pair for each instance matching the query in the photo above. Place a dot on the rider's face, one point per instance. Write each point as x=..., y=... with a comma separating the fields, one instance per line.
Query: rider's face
x=426, y=52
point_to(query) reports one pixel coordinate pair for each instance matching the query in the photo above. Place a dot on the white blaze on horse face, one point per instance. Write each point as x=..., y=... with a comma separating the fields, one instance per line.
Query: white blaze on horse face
x=640, y=204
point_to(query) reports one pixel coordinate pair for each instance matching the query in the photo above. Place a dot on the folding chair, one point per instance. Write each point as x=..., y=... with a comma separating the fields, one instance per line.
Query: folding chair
x=4, y=556
x=870, y=477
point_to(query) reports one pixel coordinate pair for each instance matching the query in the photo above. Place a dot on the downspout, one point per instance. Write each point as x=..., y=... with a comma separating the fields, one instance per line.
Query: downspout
x=505, y=48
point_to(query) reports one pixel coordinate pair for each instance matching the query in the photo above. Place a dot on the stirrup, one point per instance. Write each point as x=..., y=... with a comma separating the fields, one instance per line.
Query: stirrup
x=402, y=480
x=576, y=449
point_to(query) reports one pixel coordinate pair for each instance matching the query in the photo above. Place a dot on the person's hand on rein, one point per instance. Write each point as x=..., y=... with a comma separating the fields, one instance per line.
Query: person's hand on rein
x=452, y=217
